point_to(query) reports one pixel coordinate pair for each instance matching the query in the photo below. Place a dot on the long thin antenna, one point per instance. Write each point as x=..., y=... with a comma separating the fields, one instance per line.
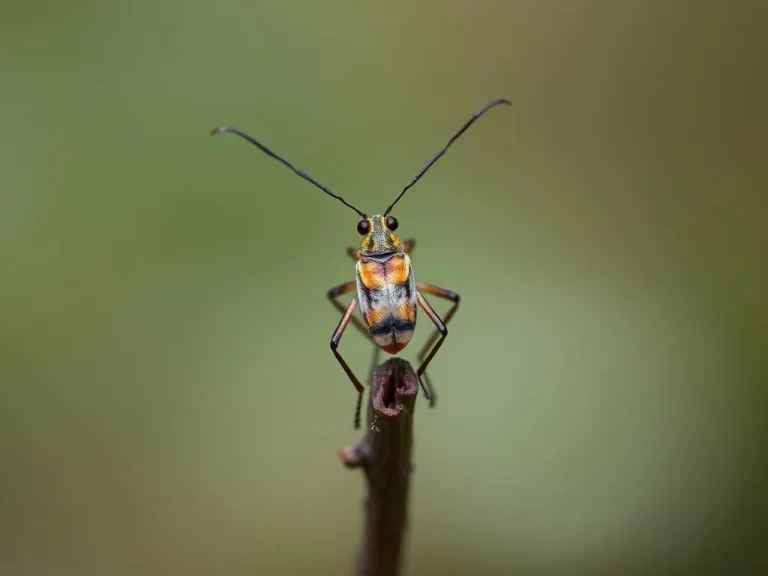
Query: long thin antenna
x=437, y=156
x=286, y=163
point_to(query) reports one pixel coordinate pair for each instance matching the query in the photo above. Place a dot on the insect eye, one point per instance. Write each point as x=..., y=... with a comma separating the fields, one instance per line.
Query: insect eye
x=391, y=223
x=363, y=227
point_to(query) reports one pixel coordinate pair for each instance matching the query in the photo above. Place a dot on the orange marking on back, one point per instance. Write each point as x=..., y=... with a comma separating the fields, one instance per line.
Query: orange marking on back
x=372, y=275
x=375, y=315
x=397, y=270
x=393, y=348
x=406, y=311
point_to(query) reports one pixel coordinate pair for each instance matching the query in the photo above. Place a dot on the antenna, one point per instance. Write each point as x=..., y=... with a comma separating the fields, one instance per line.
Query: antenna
x=286, y=163
x=437, y=156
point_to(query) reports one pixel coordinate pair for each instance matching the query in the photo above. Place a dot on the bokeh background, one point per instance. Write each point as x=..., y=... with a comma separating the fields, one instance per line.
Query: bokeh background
x=168, y=401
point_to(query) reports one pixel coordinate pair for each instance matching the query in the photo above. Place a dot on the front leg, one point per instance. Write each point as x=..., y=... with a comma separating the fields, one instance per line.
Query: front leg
x=440, y=325
x=440, y=293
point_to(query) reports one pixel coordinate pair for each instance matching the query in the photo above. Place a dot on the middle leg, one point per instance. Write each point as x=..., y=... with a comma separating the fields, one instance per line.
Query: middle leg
x=340, y=290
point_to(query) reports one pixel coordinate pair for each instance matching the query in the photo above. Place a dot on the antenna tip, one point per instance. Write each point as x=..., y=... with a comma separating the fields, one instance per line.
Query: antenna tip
x=217, y=130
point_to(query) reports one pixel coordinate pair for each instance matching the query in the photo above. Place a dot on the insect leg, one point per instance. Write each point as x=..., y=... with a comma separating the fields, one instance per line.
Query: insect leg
x=440, y=293
x=409, y=245
x=340, y=290
x=337, y=334
x=443, y=333
x=448, y=295
x=354, y=253
x=374, y=363
x=333, y=294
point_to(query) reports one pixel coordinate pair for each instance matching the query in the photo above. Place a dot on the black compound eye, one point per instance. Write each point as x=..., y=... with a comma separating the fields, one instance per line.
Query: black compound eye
x=363, y=227
x=391, y=223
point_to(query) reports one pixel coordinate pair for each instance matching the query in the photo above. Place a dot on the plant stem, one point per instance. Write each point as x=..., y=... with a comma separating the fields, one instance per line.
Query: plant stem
x=384, y=454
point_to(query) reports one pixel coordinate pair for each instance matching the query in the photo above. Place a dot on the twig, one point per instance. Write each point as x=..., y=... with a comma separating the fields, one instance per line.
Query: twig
x=384, y=454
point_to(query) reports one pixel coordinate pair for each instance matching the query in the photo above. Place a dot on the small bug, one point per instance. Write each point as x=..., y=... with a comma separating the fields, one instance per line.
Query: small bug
x=387, y=292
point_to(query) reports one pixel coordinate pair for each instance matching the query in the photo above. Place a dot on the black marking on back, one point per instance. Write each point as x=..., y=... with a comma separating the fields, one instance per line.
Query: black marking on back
x=391, y=324
x=406, y=288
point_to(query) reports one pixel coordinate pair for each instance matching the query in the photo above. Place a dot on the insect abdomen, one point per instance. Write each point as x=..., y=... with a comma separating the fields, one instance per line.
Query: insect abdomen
x=387, y=294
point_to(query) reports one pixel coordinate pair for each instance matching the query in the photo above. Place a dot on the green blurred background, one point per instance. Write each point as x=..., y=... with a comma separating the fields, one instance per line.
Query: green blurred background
x=169, y=404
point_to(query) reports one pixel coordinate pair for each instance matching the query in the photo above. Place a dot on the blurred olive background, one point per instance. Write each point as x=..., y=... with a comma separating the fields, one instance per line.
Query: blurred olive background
x=169, y=404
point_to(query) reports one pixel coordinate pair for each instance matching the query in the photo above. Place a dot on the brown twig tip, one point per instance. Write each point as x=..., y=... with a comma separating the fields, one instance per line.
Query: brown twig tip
x=395, y=387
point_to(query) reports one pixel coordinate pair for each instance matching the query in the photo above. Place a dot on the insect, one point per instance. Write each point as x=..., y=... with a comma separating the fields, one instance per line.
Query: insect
x=386, y=291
